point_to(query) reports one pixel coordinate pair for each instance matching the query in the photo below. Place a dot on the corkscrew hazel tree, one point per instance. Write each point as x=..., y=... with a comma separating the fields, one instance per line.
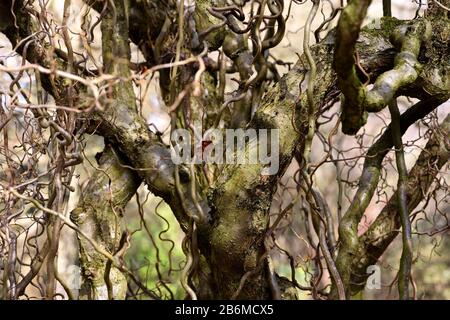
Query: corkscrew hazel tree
x=224, y=211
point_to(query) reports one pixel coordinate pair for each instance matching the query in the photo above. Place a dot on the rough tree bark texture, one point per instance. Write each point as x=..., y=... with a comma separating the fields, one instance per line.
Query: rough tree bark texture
x=387, y=225
x=99, y=214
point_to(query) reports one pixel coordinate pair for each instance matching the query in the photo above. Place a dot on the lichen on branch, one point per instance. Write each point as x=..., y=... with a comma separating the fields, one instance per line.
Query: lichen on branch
x=407, y=37
x=99, y=214
x=349, y=25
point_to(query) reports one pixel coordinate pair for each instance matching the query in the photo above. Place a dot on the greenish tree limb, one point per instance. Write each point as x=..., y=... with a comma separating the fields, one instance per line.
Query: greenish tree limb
x=350, y=244
x=387, y=225
x=406, y=69
x=408, y=38
x=402, y=204
x=99, y=214
x=348, y=28
x=241, y=194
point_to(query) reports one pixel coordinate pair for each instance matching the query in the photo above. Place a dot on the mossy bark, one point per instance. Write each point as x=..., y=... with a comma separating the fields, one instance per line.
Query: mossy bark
x=241, y=197
x=386, y=226
x=99, y=214
x=431, y=84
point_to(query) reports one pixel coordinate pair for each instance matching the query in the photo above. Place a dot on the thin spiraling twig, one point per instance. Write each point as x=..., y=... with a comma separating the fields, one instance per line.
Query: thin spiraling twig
x=402, y=205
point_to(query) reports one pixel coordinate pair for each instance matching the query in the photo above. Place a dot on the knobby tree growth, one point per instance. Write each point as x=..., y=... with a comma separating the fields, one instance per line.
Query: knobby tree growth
x=229, y=213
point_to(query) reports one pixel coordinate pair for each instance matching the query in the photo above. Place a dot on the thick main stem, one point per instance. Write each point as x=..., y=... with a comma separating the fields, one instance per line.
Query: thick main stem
x=99, y=214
